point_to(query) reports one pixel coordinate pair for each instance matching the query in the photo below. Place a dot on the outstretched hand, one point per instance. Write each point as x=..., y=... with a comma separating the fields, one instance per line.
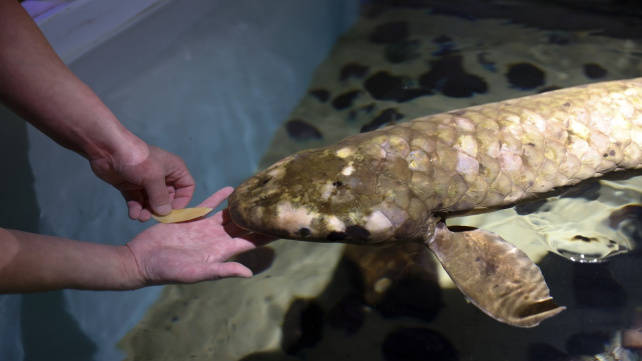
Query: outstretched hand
x=159, y=183
x=194, y=251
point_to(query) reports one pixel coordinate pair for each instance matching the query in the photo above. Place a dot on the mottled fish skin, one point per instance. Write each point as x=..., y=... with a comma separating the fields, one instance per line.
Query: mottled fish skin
x=396, y=183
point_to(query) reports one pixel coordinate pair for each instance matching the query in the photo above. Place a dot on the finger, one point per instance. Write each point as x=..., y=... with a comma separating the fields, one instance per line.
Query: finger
x=145, y=215
x=184, y=190
x=182, y=197
x=227, y=269
x=232, y=247
x=245, y=243
x=158, y=196
x=217, y=198
x=134, y=200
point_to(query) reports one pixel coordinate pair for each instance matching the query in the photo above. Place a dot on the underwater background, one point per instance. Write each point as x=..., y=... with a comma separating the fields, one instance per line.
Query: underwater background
x=227, y=86
x=399, y=61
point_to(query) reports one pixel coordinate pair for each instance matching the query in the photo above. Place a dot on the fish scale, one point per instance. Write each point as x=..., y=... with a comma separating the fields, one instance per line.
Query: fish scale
x=530, y=145
x=399, y=183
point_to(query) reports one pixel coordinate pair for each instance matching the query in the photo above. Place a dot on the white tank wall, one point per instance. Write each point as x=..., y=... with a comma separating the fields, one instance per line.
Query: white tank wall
x=208, y=80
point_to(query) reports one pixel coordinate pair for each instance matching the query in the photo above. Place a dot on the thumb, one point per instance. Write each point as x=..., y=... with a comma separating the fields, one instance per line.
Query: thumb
x=158, y=196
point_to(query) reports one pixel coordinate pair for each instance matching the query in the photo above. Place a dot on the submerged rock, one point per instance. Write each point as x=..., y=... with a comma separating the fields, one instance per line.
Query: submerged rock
x=301, y=130
x=525, y=76
x=344, y=100
x=391, y=32
x=322, y=94
x=385, y=86
x=302, y=326
x=448, y=76
x=402, y=51
x=385, y=117
x=594, y=71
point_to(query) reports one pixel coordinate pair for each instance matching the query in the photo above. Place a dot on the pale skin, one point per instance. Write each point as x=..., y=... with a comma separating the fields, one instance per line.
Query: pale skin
x=35, y=83
x=187, y=252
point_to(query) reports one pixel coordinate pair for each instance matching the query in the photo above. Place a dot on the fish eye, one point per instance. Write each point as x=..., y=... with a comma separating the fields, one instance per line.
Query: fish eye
x=304, y=232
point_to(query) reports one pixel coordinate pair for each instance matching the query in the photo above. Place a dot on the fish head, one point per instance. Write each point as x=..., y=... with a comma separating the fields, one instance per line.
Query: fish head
x=331, y=194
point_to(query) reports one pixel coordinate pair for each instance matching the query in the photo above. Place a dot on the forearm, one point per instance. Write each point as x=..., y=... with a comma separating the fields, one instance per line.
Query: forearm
x=34, y=263
x=36, y=84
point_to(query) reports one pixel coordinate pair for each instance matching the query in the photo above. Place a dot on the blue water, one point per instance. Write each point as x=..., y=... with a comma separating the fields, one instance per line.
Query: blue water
x=206, y=87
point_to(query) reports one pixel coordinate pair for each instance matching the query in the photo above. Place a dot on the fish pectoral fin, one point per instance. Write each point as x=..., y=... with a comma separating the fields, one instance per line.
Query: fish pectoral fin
x=494, y=275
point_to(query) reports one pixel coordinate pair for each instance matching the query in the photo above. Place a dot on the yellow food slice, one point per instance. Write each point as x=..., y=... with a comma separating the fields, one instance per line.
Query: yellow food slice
x=182, y=215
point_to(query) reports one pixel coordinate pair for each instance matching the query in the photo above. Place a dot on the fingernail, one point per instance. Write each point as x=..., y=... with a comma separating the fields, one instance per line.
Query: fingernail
x=164, y=209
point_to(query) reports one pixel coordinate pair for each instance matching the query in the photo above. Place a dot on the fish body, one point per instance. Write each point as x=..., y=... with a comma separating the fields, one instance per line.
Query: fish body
x=399, y=184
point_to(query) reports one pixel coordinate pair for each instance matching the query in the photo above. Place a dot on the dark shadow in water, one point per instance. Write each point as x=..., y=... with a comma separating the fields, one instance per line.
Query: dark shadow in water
x=18, y=205
x=343, y=308
x=394, y=282
x=49, y=332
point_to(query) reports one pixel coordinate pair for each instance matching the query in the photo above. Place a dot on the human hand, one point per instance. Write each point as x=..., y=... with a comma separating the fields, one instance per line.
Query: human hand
x=156, y=182
x=194, y=251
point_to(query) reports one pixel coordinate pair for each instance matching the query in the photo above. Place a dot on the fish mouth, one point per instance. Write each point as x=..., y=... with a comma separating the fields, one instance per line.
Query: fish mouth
x=234, y=207
x=245, y=214
x=251, y=198
x=242, y=204
x=249, y=206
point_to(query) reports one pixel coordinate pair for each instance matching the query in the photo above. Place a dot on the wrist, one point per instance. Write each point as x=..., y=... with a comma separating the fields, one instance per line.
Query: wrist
x=128, y=150
x=130, y=273
x=36, y=263
x=112, y=141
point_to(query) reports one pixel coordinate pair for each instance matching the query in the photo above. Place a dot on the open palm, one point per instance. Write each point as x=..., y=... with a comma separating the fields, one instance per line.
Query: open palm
x=194, y=251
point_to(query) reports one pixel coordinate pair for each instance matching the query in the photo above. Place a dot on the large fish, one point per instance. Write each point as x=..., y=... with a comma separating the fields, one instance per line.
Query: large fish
x=400, y=183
